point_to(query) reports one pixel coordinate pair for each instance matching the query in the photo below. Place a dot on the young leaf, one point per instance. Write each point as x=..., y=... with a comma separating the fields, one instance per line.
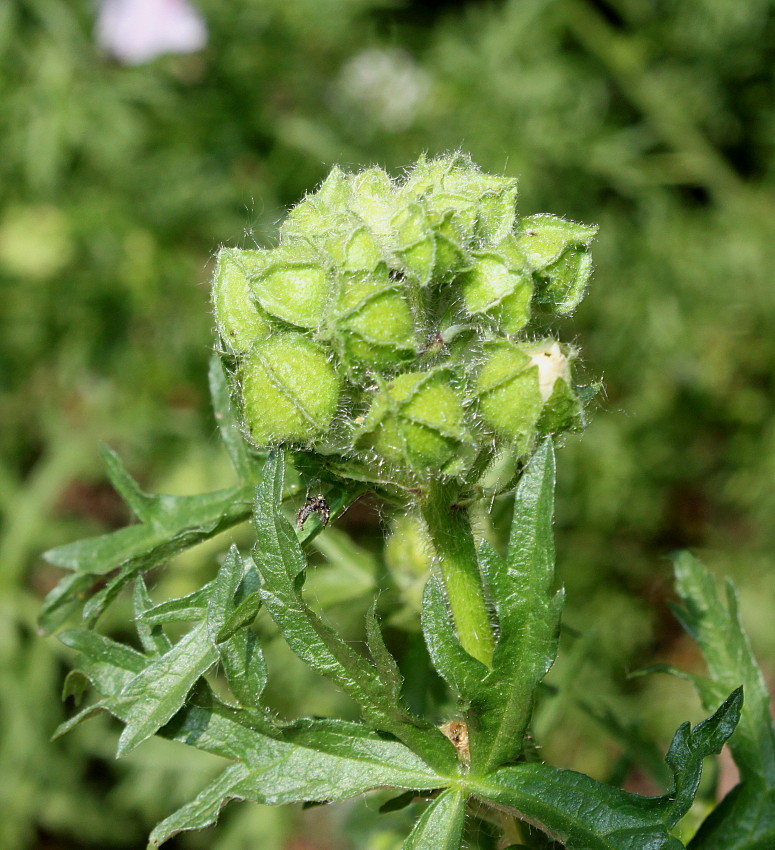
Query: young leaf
x=715, y=624
x=220, y=605
x=193, y=606
x=386, y=665
x=140, y=503
x=279, y=559
x=246, y=603
x=463, y=673
x=158, y=691
x=440, y=826
x=152, y=637
x=587, y=815
x=178, y=523
x=244, y=666
x=528, y=616
x=745, y=819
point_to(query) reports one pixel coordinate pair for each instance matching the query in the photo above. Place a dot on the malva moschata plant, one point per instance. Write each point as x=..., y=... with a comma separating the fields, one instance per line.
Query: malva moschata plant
x=394, y=342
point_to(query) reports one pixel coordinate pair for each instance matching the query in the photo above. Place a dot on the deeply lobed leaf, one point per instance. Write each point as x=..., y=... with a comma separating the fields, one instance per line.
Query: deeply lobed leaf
x=745, y=819
x=588, y=815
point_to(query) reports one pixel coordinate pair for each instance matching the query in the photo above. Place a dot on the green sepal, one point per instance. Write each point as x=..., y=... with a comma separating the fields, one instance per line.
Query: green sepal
x=524, y=391
x=292, y=283
x=416, y=421
x=414, y=243
x=290, y=390
x=508, y=393
x=557, y=250
x=373, y=321
x=499, y=286
x=544, y=238
x=321, y=211
x=238, y=317
x=483, y=205
x=374, y=200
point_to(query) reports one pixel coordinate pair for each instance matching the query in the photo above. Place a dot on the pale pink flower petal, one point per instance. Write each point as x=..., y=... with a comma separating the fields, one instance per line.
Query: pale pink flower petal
x=137, y=31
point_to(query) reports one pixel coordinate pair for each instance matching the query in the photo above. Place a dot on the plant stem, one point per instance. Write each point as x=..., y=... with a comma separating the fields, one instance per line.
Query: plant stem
x=449, y=527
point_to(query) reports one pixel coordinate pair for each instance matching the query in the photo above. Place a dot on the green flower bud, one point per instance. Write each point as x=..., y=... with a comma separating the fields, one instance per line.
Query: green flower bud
x=416, y=422
x=415, y=243
x=319, y=212
x=419, y=285
x=481, y=205
x=292, y=283
x=240, y=321
x=374, y=200
x=290, y=390
x=429, y=249
x=354, y=249
x=373, y=321
x=524, y=389
x=499, y=286
x=558, y=251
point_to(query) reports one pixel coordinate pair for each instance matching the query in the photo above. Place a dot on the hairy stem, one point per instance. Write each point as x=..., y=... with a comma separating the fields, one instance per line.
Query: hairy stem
x=449, y=527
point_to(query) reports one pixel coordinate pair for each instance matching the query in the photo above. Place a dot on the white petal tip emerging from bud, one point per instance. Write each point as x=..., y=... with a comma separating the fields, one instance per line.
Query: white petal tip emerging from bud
x=552, y=364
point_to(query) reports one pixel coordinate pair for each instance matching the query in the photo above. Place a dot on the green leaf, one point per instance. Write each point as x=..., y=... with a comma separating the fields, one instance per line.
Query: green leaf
x=242, y=615
x=528, y=614
x=177, y=524
x=241, y=459
x=193, y=606
x=463, y=673
x=103, y=657
x=315, y=760
x=715, y=624
x=281, y=563
x=139, y=502
x=152, y=638
x=745, y=819
x=440, y=826
x=220, y=604
x=585, y=814
x=387, y=668
x=691, y=746
x=203, y=722
x=244, y=666
x=156, y=693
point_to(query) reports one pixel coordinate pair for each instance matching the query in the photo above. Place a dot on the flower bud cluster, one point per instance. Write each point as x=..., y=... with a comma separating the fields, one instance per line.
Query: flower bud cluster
x=391, y=326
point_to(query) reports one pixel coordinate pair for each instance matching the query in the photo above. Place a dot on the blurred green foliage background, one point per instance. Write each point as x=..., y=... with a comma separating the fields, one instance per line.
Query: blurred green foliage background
x=653, y=118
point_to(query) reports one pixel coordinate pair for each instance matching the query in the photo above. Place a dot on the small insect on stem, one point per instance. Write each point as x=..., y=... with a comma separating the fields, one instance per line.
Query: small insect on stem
x=314, y=505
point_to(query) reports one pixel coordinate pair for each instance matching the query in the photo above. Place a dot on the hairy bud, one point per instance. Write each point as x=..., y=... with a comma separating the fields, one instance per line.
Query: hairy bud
x=393, y=326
